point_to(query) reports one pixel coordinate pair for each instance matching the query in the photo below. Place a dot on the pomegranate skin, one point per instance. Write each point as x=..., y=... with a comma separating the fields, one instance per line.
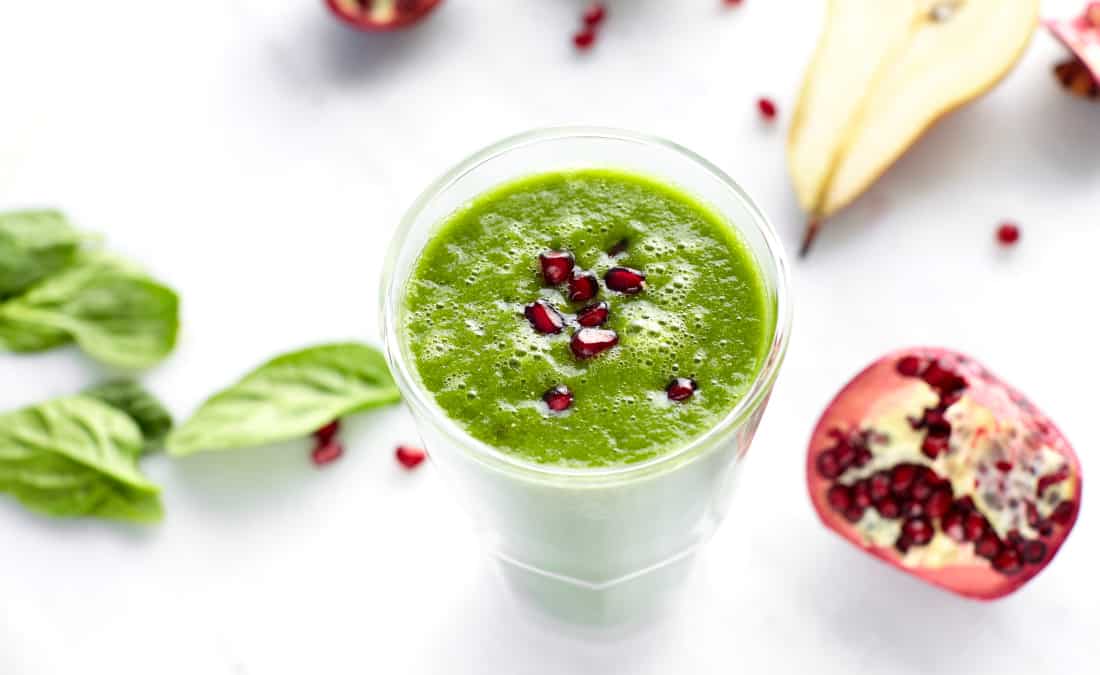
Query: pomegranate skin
x=1082, y=36
x=406, y=14
x=992, y=409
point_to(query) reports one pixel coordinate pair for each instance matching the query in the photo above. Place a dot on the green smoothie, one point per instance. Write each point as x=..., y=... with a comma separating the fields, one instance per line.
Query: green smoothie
x=702, y=317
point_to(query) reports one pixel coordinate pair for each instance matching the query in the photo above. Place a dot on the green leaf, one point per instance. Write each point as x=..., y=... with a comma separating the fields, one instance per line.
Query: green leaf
x=33, y=245
x=115, y=313
x=289, y=397
x=148, y=413
x=76, y=456
x=24, y=337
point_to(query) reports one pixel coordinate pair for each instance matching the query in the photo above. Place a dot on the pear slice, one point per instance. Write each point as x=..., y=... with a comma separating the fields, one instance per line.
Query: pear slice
x=884, y=72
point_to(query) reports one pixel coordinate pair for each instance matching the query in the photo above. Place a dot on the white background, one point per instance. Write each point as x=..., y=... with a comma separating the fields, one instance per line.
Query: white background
x=257, y=156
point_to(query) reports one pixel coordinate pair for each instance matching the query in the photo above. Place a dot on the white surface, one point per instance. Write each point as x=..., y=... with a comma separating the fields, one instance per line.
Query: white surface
x=257, y=155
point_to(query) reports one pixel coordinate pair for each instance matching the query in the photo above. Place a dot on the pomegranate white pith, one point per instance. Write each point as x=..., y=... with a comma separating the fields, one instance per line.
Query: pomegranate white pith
x=929, y=462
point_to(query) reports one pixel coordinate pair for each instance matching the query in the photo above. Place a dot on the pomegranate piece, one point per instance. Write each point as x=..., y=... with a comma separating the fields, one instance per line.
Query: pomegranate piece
x=381, y=15
x=768, y=109
x=625, y=280
x=327, y=432
x=1008, y=234
x=556, y=266
x=594, y=315
x=409, y=457
x=543, y=317
x=970, y=486
x=559, y=398
x=595, y=14
x=327, y=452
x=589, y=342
x=583, y=286
x=1081, y=74
x=681, y=389
x=618, y=248
x=584, y=38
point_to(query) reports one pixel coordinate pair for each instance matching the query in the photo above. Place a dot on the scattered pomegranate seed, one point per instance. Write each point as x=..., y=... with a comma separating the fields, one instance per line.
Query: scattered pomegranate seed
x=619, y=248
x=543, y=317
x=327, y=432
x=625, y=280
x=585, y=38
x=681, y=388
x=595, y=14
x=583, y=286
x=589, y=342
x=909, y=366
x=767, y=108
x=1008, y=234
x=731, y=3
x=594, y=315
x=556, y=266
x=559, y=398
x=409, y=456
x=327, y=452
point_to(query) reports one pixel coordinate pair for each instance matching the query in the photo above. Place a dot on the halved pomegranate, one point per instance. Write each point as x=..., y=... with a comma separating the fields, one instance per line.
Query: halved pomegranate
x=1081, y=74
x=381, y=15
x=929, y=462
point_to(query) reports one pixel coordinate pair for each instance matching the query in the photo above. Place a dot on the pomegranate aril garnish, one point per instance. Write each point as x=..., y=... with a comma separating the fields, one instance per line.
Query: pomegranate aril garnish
x=1008, y=234
x=326, y=453
x=327, y=432
x=595, y=14
x=768, y=109
x=544, y=318
x=681, y=389
x=556, y=266
x=618, y=248
x=625, y=280
x=409, y=457
x=584, y=38
x=589, y=342
x=594, y=315
x=558, y=398
x=583, y=286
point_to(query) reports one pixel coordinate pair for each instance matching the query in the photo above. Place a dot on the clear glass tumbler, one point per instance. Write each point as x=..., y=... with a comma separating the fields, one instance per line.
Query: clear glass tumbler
x=602, y=545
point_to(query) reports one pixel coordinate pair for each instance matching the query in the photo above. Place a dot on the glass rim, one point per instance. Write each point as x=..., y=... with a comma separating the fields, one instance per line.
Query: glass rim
x=421, y=400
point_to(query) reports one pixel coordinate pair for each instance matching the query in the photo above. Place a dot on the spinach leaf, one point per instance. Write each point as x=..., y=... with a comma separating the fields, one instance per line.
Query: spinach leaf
x=144, y=409
x=76, y=456
x=289, y=397
x=33, y=245
x=113, y=311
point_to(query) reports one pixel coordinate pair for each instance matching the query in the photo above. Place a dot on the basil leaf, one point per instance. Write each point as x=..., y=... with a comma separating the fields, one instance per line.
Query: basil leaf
x=289, y=397
x=116, y=314
x=76, y=456
x=33, y=245
x=144, y=409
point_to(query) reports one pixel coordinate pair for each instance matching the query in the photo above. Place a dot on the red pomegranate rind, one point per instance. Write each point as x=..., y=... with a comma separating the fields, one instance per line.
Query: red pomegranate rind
x=1002, y=495
x=381, y=15
x=1081, y=36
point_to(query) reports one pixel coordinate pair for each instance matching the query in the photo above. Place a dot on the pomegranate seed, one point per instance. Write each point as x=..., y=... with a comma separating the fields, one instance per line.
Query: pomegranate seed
x=863, y=455
x=1045, y=527
x=326, y=453
x=595, y=14
x=585, y=38
x=731, y=3
x=942, y=380
x=409, y=456
x=909, y=366
x=543, y=317
x=861, y=493
x=583, y=286
x=888, y=507
x=934, y=446
x=1063, y=513
x=974, y=526
x=880, y=485
x=1033, y=552
x=594, y=315
x=827, y=465
x=902, y=544
x=681, y=388
x=854, y=513
x=1007, y=561
x=901, y=479
x=559, y=398
x=327, y=432
x=556, y=266
x=845, y=455
x=912, y=509
x=767, y=108
x=1032, y=514
x=939, y=503
x=1008, y=234
x=625, y=280
x=918, y=531
x=839, y=497
x=589, y=342
x=619, y=248
x=964, y=504
x=1003, y=466
x=952, y=526
x=988, y=546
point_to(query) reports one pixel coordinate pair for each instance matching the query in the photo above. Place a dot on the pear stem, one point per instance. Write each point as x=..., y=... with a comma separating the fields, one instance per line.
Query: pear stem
x=812, y=229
